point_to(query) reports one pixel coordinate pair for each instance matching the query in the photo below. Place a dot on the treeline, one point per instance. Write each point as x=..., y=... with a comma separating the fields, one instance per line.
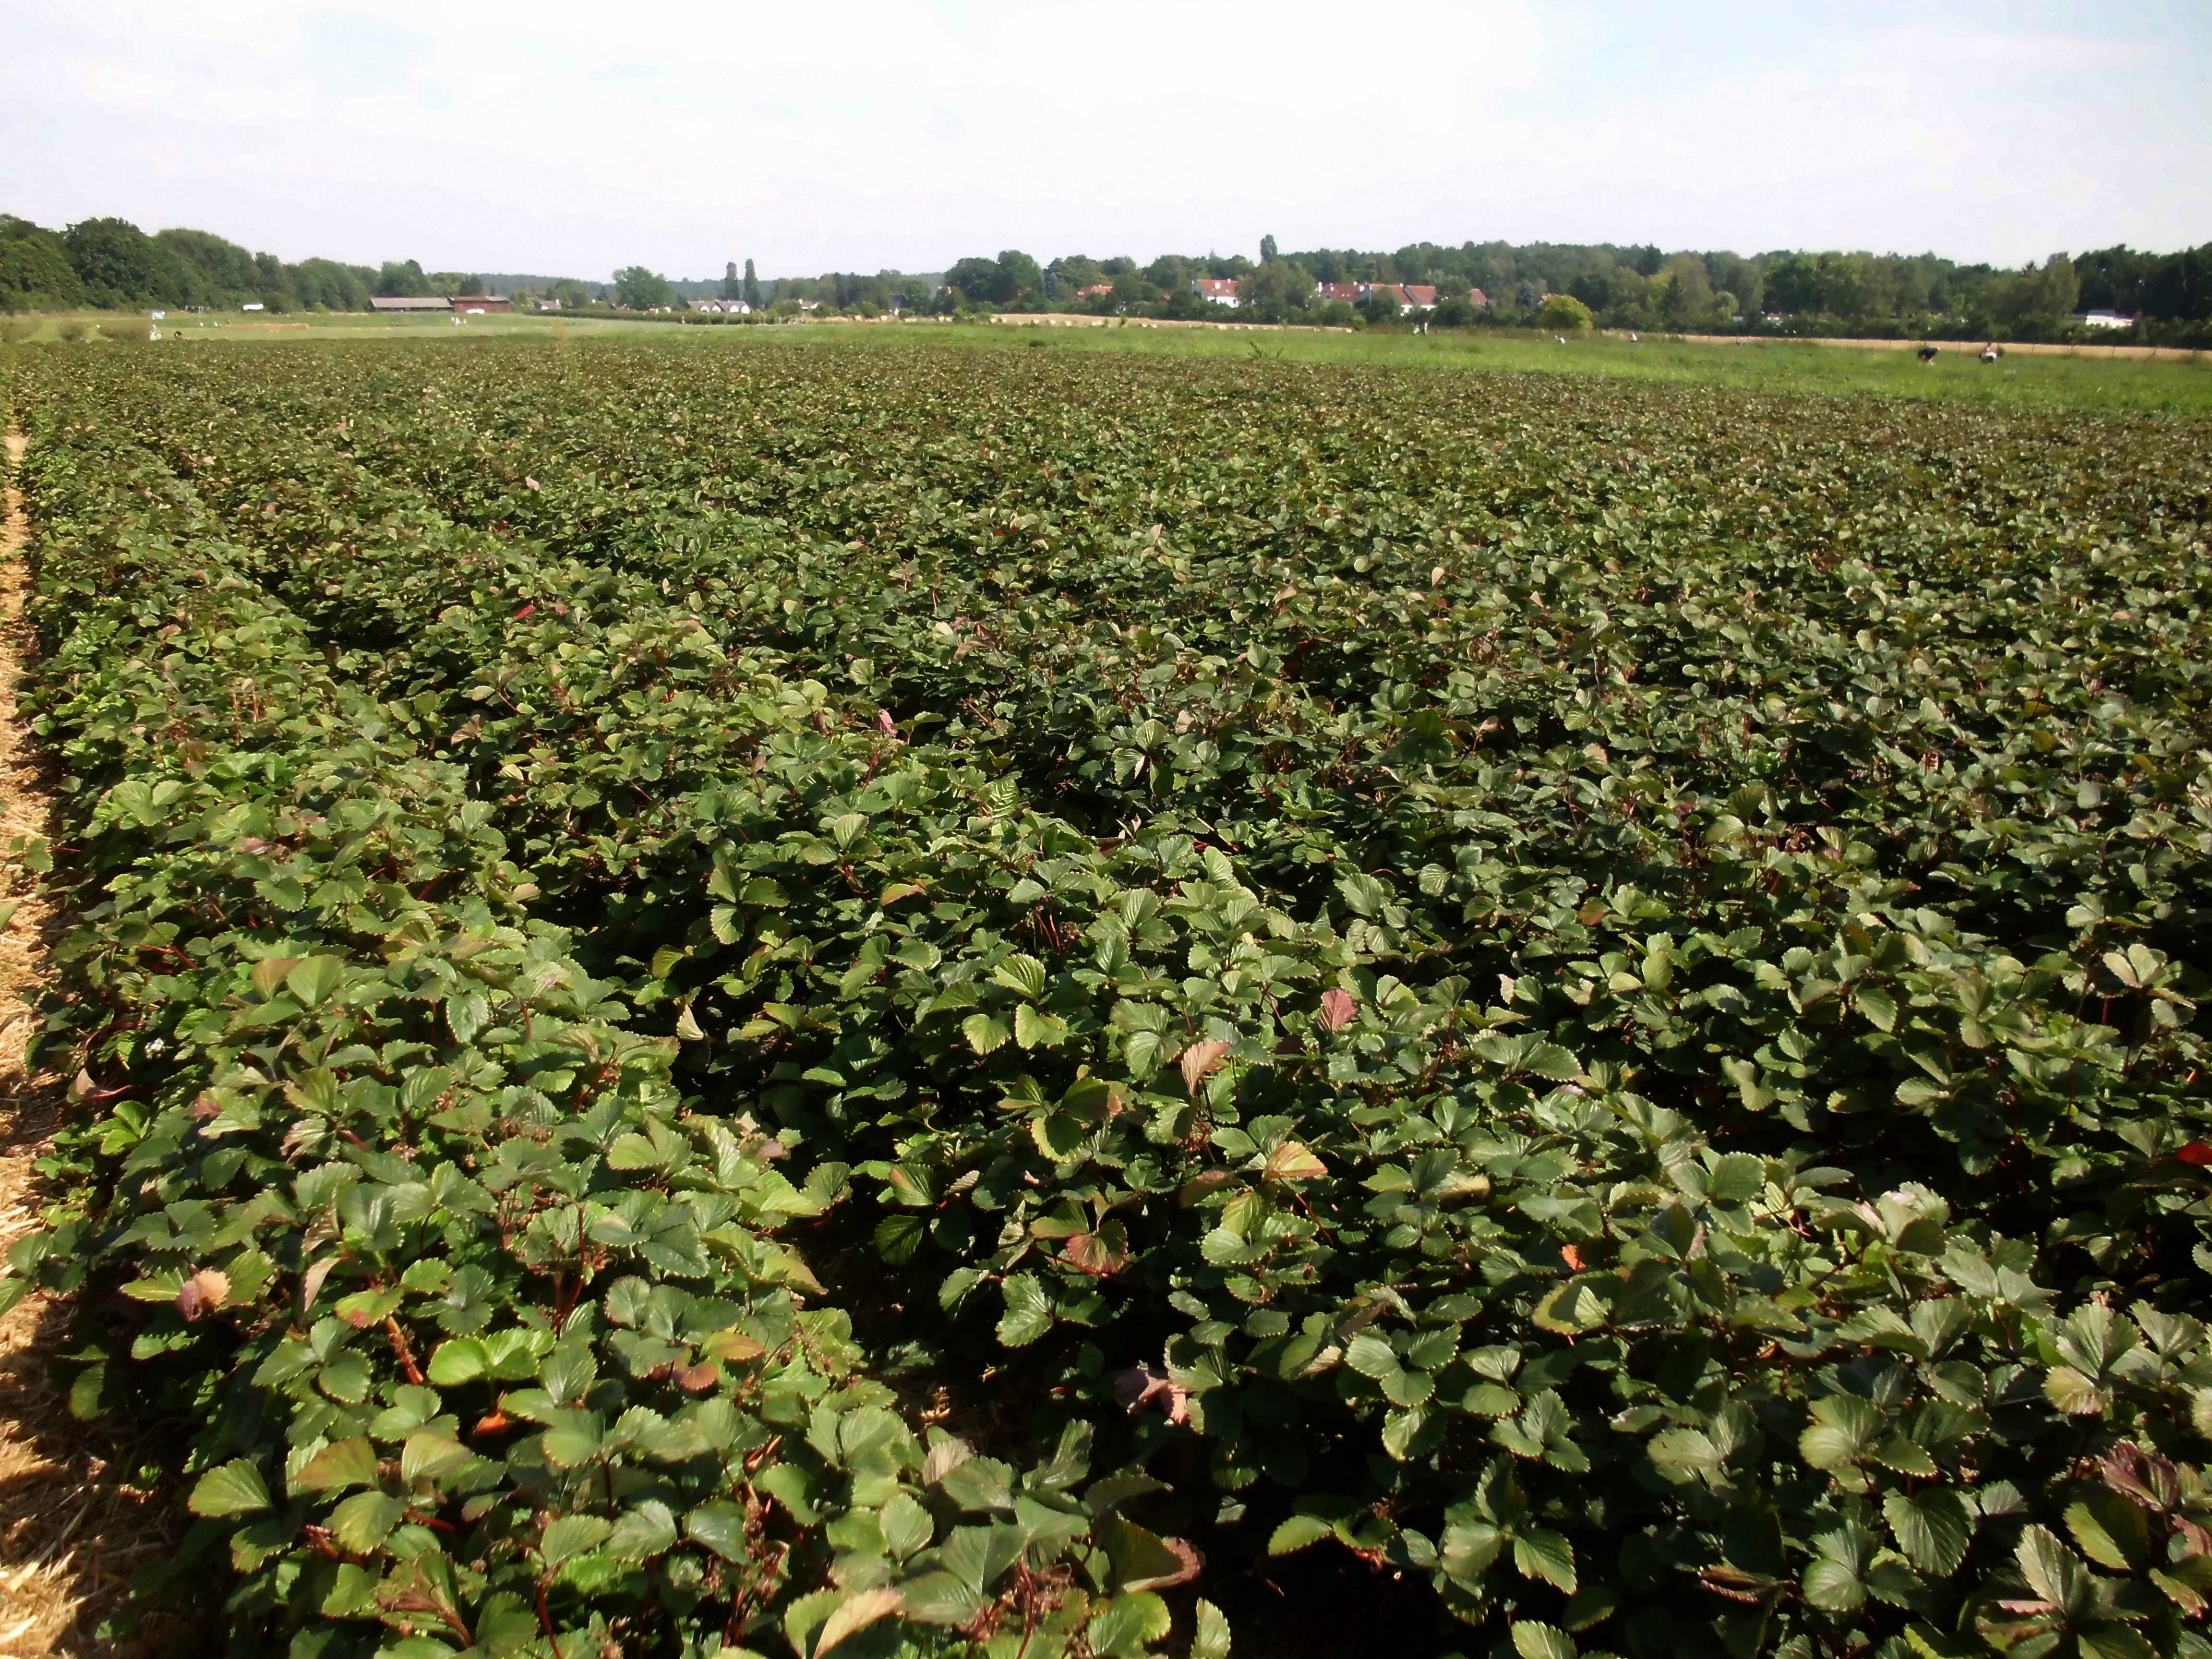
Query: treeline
x=111, y=264
x=1633, y=287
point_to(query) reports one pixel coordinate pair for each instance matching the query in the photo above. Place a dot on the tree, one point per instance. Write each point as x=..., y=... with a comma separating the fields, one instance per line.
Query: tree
x=732, y=287
x=1793, y=284
x=471, y=286
x=403, y=281
x=637, y=288
x=1275, y=292
x=216, y=271
x=752, y=294
x=2179, y=285
x=34, y=268
x=1268, y=252
x=119, y=264
x=1168, y=273
x=974, y=279
x=1563, y=313
x=571, y=294
x=1684, y=292
x=1018, y=275
x=2058, y=290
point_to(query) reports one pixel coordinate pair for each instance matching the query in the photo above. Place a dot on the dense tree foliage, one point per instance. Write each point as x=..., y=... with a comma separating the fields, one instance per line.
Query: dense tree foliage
x=1631, y=287
x=111, y=263
x=1026, y=1004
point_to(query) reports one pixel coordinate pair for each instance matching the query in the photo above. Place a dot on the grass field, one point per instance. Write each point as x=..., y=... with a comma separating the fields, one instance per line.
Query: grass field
x=2018, y=380
x=899, y=994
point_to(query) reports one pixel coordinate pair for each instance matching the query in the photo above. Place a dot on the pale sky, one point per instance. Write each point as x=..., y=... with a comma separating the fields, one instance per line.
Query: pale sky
x=568, y=139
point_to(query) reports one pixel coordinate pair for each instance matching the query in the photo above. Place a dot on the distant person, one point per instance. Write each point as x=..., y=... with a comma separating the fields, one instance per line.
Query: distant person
x=1990, y=352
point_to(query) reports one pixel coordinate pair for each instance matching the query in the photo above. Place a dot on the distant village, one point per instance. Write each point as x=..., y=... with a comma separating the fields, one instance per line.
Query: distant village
x=1223, y=291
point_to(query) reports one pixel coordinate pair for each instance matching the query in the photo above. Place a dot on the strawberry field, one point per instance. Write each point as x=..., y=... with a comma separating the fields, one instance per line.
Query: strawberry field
x=894, y=1002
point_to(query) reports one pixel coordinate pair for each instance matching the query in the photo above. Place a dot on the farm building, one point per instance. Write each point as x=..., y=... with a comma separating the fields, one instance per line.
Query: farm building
x=478, y=305
x=1221, y=291
x=411, y=302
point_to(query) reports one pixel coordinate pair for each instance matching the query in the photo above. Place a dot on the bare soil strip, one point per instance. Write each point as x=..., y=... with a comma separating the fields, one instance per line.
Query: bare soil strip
x=73, y=1526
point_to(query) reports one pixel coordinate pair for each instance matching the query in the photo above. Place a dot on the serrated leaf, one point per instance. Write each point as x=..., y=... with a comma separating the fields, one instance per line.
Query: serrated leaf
x=986, y=1034
x=1539, y=1553
x=1028, y=1313
x=642, y=1532
x=1297, y=1532
x=854, y=1614
x=1843, y=1431
x=1933, y=1528
x=1035, y=1029
x=337, y=1467
x=1550, y=1060
x=718, y=1525
x=1293, y=1162
x=1199, y=1061
x=232, y=1488
x=2073, y=1393
x=1532, y=1640
x=906, y=1526
x=364, y=1521
x=573, y=1535
x=2112, y=1531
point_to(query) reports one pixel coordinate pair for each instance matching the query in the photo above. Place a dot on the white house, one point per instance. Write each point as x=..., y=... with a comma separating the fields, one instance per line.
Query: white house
x=1221, y=291
x=2104, y=319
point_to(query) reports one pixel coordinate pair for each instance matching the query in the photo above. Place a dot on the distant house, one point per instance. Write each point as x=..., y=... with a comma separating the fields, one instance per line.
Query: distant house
x=478, y=305
x=1094, y=290
x=1480, y=301
x=730, y=307
x=2103, y=319
x=1350, y=293
x=411, y=302
x=1221, y=291
x=1417, y=296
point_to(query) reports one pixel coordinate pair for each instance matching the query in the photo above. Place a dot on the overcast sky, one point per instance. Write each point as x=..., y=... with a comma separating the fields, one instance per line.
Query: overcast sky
x=568, y=139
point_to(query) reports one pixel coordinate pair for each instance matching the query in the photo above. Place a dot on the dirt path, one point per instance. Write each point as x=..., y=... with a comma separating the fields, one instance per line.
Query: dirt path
x=72, y=1527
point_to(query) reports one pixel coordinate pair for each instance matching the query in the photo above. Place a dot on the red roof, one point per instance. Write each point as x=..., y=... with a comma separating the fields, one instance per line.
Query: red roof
x=1416, y=294
x=1347, y=292
x=1094, y=290
x=1215, y=288
x=1477, y=298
